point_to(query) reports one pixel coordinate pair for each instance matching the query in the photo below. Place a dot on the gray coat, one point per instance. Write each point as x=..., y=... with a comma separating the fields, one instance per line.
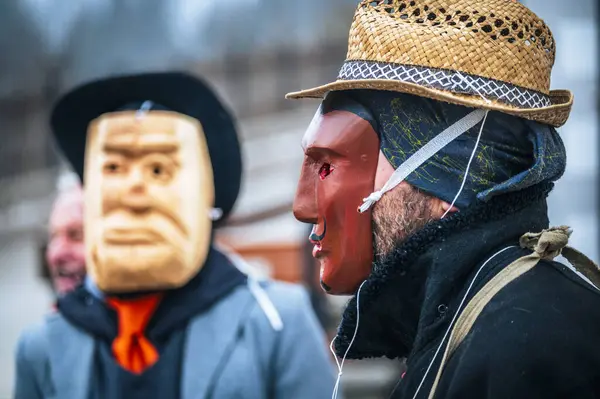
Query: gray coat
x=261, y=341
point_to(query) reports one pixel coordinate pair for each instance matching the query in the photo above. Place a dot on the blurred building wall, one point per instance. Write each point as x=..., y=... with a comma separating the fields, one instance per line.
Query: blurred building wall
x=574, y=201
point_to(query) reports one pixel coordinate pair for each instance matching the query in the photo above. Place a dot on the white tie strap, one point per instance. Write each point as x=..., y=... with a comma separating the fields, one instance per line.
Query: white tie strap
x=423, y=154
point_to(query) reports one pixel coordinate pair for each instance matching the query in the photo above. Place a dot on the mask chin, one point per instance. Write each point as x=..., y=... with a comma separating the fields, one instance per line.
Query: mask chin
x=346, y=278
x=325, y=287
x=341, y=290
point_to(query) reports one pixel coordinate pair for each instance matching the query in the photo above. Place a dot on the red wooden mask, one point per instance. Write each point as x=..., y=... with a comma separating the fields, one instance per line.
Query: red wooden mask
x=341, y=153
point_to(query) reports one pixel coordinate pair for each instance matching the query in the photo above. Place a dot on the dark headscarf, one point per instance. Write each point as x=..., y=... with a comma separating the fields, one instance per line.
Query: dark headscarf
x=512, y=154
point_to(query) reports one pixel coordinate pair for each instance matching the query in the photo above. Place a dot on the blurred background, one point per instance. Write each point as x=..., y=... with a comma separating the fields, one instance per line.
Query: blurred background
x=252, y=52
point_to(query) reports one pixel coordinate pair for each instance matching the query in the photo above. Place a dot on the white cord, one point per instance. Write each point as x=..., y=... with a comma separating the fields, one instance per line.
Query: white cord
x=468, y=166
x=341, y=365
x=456, y=315
x=265, y=304
x=144, y=108
x=259, y=293
x=472, y=87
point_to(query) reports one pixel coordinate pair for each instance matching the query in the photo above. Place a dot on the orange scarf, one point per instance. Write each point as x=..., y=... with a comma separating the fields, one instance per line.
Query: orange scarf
x=132, y=350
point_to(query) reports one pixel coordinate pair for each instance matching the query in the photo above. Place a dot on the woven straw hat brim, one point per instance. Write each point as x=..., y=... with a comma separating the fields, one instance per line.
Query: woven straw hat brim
x=555, y=114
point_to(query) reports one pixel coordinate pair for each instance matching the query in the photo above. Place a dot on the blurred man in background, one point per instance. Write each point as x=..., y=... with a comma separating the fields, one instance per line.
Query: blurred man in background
x=65, y=252
x=163, y=312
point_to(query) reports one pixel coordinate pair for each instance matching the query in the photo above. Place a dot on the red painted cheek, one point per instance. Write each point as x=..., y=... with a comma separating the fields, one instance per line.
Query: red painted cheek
x=347, y=246
x=332, y=207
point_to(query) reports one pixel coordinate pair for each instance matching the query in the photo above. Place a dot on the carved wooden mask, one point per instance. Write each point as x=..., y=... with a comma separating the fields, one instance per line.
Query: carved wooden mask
x=148, y=192
x=341, y=154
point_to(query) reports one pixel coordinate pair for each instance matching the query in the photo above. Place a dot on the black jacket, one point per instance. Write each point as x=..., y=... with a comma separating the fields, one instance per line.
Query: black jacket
x=537, y=338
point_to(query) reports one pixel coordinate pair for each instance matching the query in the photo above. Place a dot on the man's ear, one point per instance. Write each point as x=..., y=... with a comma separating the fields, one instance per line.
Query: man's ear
x=439, y=208
x=384, y=171
x=445, y=206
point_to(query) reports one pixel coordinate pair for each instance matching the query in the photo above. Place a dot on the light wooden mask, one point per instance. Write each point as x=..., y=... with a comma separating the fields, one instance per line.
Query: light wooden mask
x=148, y=193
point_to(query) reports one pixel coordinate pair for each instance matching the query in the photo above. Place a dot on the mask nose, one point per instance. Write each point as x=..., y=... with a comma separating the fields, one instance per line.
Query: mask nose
x=135, y=181
x=305, y=201
x=136, y=197
x=303, y=213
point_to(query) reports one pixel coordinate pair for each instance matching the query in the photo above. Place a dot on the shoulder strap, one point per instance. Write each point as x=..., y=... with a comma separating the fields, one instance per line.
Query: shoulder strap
x=255, y=278
x=545, y=245
x=583, y=265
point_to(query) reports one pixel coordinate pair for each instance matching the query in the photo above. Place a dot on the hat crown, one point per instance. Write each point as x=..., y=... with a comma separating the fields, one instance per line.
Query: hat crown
x=495, y=39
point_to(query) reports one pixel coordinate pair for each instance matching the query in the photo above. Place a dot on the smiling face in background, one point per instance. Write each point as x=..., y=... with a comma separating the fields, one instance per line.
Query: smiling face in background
x=65, y=254
x=149, y=188
x=341, y=153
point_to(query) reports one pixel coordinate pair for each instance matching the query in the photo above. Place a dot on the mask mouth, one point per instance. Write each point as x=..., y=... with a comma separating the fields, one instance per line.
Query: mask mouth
x=317, y=249
x=325, y=287
x=132, y=236
x=317, y=239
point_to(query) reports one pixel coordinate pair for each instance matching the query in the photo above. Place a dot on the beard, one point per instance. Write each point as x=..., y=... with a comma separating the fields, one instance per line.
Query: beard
x=398, y=214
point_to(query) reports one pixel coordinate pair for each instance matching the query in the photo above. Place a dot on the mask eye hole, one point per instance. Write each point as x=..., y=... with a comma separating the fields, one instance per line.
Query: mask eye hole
x=325, y=170
x=157, y=170
x=160, y=171
x=112, y=167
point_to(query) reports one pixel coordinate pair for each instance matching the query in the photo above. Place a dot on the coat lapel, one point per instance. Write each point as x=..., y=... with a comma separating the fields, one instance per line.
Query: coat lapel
x=210, y=340
x=70, y=352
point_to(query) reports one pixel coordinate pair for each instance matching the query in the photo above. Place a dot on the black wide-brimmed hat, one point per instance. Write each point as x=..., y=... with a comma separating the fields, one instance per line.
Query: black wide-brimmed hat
x=175, y=91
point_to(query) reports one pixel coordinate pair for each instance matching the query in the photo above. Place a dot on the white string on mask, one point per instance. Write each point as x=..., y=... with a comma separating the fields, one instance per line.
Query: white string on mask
x=215, y=214
x=340, y=365
x=144, y=108
x=424, y=153
x=462, y=185
x=471, y=86
x=460, y=306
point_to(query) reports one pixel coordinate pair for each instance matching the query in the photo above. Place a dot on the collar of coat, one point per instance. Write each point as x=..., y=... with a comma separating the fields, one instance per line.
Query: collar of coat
x=403, y=301
x=217, y=279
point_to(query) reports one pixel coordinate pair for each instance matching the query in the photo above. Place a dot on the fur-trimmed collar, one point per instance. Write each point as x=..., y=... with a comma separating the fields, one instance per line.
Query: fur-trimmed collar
x=403, y=298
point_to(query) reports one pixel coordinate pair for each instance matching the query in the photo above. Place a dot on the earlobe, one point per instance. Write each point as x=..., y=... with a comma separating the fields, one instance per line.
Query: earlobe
x=445, y=206
x=383, y=172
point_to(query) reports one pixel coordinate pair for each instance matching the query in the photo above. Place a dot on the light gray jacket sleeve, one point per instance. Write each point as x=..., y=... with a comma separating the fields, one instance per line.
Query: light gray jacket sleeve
x=303, y=366
x=30, y=361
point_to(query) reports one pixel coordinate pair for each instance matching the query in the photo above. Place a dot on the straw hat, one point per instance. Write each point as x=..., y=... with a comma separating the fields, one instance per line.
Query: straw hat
x=492, y=54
